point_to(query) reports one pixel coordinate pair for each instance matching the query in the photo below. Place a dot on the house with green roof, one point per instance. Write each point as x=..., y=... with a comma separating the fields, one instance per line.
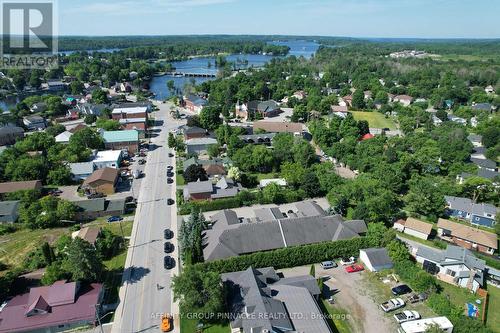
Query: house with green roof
x=122, y=140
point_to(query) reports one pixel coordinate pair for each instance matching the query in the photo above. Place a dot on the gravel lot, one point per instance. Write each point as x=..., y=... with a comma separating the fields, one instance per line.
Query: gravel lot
x=352, y=296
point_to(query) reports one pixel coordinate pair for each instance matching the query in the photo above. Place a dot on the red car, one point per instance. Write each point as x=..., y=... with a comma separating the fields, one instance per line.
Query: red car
x=354, y=268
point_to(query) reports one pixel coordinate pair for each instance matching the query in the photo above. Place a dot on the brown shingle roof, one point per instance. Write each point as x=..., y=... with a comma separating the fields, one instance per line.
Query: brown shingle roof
x=10, y=187
x=214, y=169
x=418, y=225
x=89, y=234
x=468, y=233
x=106, y=174
x=271, y=126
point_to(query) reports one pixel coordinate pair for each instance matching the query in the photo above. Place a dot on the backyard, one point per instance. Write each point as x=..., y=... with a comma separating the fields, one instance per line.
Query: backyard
x=375, y=119
x=190, y=325
x=493, y=315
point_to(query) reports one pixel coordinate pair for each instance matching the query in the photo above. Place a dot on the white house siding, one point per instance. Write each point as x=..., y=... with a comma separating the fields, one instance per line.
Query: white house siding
x=415, y=233
x=364, y=258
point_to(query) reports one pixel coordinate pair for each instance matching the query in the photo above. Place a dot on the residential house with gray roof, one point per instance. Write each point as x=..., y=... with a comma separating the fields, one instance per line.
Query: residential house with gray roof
x=476, y=213
x=81, y=171
x=207, y=190
x=484, y=163
x=456, y=266
x=261, y=301
x=9, y=211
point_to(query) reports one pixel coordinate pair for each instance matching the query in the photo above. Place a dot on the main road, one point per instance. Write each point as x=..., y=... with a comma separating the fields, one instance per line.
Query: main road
x=145, y=293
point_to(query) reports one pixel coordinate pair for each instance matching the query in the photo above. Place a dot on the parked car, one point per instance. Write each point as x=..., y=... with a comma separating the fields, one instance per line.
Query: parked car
x=347, y=261
x=392, y=304
x=168, y=262
x=166, y=323
x=137, y=174
x=55, y=192
x=354, y=268
x=170, y=155
x=142, y=154
x=95, y=196
x=168, y=234
x=170, y=202
x=406, y=315
x=415, y=298
x=401, y=290
x=115, y=219
x=170, y=174
x=170, y=181
x=142, y=161
x=168, y=247
x=170, y=168
x=328, y=264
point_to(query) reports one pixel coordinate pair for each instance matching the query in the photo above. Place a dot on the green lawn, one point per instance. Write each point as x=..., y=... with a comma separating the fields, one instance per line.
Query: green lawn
x=14, y=246
x=179, y=179
x=189, y=326
x=337, y=318
x=375, y=119
x=493, y=314
x=459, y=296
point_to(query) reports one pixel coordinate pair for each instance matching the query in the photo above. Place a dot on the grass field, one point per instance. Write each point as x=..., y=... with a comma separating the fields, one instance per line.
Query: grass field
x=337, y=318
x=189, y=326
x=15, y=246
x=375, y=119
x=493, y=315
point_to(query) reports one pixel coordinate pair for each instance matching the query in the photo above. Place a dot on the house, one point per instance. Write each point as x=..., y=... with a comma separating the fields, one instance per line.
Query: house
x=55, y=85
x=405, y=100
x=339, y=110
x=102, y=181
x=489, y=89
x=129, y=112
x=10, y=134
x=194, y=103
x=484, y=163
x=59, y=307
x=278, y=181
x=414, y=227
x=92, y=109
x=145, y=104
x=38, y=107
x=93, y=208
x=138, y=124
x=34, y=123
x=75, y=128
x=89, y=234
x=214, y=170
x=346, y=101
x=10, y=187
x=9, y=211
x=263, y=108
x=264, y=138
x=122, y=140
x=367, y=136
x=483, y=173
x=482, y=107
x=457, y=120
x=107, y=159
x=204, y=163
x=199, y=145
x=456, y=265
x=125, y=87
x=476, y=213
x=81, y=171
x=375, y=259
x=467, y=237
x=261, y=301
x=228, y=239
x=300, y=95
x=278, y=127
x=194, y=133
x=63, y=137
x=207, y=190
x=476, y=140
x=480, y=153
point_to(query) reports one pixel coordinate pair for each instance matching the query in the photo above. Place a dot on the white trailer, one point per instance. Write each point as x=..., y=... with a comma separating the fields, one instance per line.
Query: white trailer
x=420, y=326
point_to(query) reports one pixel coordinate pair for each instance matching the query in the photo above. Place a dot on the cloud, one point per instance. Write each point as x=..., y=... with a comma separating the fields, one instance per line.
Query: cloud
x=142, y=6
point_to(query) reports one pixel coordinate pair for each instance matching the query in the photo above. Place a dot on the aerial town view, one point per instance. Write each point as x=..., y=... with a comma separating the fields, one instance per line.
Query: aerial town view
x=249, y=166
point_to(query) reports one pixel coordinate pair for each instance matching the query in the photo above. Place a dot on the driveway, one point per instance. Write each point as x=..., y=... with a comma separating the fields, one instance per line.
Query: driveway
x=351, y=293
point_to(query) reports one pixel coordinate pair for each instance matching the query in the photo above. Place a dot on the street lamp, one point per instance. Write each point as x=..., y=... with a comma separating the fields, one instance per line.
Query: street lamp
x=97, y=306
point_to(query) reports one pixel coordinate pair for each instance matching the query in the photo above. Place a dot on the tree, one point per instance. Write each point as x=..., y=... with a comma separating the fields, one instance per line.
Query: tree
x=46, y=212
x=234, y=173
x=310, y=185
x=281, y=147
x=213, y=151
x=397, y=251
x=82, y=261
x=358, y=99
x=210, y=118
x=273, y=193
x=90, y=119
x=491, y=136
x=108, y=124
x=76, y=87
x=190, y=237
x=199, y=292
x=59, y=175
x=424, y=197
x=99, y=96
x=53, y=272
x=171, y=140
x=194, y=173
x=48, y=253
x=312, y=271
x=293, y=173
x=479, y=189
x=303, y=153
x=86, y=138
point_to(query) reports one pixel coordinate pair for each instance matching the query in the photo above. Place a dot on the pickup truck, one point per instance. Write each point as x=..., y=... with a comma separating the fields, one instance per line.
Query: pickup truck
x=392, y=304
x=406, y=315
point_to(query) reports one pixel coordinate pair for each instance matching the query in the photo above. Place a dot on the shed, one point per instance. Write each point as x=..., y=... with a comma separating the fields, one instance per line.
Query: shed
x=375, y=259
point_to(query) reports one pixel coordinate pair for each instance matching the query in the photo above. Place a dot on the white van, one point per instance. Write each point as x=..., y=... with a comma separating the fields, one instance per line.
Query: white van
x=328, y=264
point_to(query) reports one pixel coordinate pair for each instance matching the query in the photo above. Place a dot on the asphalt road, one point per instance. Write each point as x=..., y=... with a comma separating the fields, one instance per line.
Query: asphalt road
x=145, y=293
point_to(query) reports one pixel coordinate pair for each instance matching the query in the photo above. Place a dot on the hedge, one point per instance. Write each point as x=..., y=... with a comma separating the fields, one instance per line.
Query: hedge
x=289, y=256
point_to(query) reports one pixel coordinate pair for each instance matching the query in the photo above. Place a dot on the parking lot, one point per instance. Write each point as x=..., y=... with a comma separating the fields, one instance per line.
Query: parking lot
x=351, y=293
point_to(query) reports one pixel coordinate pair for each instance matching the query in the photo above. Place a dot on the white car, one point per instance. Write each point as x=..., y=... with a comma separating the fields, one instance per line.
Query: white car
x=347, y=261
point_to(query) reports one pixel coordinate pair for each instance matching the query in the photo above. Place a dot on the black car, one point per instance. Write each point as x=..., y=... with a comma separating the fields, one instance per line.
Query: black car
x=168, y=247
x=141, y=162
x=170, y=181
x=170, y=168
x=170, y=155
x=168, y=234
x=170, y=174
x=170, y=202
x=401, y=290
x=168, y=262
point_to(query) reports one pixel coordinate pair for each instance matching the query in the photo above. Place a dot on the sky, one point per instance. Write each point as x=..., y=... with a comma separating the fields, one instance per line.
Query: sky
x=351, y=18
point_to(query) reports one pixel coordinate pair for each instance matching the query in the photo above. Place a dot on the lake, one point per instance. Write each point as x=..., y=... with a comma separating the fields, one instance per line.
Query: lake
x=206, y=65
